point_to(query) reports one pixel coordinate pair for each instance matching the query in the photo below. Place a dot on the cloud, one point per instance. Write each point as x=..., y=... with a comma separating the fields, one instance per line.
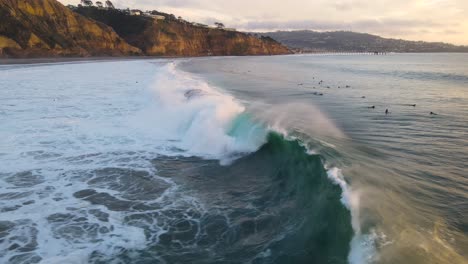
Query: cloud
x=450, y=32
x=346, y=5
x=366, y=25
x=415, y=19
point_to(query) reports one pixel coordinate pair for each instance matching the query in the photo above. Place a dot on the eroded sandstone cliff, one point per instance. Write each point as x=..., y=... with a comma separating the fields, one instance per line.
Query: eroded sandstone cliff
x=180, y=39
x=175, y=37
x=44, y=28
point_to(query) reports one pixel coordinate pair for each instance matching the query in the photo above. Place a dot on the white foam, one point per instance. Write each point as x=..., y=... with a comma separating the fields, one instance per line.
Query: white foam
x=362, y=245
x=197, y=117
x=97, y=115
x=114, y=114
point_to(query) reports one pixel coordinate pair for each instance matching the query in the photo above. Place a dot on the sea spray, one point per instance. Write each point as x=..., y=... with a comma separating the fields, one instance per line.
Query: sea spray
x=362, y=245
x=218, y=126
x=204, y=121
x=135, y=174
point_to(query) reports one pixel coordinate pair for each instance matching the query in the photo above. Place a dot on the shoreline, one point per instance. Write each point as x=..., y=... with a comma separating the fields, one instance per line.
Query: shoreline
x=20, y=61
x=46, y=60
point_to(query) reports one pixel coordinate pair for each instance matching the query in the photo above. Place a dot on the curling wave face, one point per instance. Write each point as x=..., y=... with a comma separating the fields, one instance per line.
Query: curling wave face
x=128, y=166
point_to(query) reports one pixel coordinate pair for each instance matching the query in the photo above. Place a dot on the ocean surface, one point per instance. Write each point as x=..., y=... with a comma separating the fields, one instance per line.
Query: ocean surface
x=282, y=159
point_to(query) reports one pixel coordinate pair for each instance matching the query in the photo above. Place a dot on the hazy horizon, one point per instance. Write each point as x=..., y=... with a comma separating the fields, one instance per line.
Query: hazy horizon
x=426, y=20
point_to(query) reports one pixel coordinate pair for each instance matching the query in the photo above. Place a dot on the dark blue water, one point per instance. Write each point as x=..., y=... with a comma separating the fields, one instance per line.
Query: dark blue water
x=408, y=167
x=285, y=159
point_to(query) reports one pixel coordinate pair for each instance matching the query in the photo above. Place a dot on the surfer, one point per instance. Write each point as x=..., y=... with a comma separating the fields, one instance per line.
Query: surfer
x=432, y=113
x=386, y=111
x=371, y=107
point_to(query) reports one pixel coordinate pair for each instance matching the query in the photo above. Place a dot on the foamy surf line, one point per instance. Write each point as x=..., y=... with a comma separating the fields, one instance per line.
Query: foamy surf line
x=362, y=245
x=70, y=179
x=67, y=194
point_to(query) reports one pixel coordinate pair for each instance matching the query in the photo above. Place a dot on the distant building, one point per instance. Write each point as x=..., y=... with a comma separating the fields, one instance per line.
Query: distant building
x=136, y=12
x=200, y=25
x=155, y=17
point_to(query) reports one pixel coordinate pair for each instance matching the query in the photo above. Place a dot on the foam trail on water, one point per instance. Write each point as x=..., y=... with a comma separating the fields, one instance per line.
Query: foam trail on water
x=56, y=137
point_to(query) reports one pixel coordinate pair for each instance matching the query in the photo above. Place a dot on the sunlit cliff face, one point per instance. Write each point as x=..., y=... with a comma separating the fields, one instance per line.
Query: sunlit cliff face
x=429, y=20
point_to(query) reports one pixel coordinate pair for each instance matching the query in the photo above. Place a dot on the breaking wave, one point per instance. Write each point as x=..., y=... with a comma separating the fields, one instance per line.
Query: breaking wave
x=186, y=174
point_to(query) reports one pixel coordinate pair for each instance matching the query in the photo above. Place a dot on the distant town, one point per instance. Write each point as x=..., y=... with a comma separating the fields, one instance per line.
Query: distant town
x=308, y=41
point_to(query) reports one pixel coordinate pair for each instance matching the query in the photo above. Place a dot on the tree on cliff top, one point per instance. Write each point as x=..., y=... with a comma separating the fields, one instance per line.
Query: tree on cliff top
x=219, y=25
x=87, y=2
x=109, y=5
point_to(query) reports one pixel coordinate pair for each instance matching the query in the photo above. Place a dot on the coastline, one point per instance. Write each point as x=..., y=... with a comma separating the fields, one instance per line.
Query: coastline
x=46, y=60
x=19, y=61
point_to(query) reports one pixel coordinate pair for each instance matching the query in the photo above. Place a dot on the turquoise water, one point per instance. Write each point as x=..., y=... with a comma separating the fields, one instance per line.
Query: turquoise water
x=236, y=160
x=409, y=168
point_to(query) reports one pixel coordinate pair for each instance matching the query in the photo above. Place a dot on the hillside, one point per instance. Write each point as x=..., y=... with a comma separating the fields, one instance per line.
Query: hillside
x=345, y=41
x=176, y=37
x=46, y=28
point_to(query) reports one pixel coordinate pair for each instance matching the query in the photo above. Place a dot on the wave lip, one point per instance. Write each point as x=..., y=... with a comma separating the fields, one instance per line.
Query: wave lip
x=211, y=124
x=199, y=119
x=232, y=130
x=97, y=176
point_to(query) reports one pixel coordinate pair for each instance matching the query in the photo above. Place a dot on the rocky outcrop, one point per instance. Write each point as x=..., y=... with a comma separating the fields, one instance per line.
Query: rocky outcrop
x=182, y=39
x=174, y=37
x=46, y=28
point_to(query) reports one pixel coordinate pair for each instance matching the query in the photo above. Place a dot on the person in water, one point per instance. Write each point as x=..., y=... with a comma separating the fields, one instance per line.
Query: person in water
x=432, y=113
x=386, y=111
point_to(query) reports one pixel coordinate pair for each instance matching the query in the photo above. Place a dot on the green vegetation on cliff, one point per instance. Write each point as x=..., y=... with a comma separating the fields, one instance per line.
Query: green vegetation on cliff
x=177, y=37
x=46, y=28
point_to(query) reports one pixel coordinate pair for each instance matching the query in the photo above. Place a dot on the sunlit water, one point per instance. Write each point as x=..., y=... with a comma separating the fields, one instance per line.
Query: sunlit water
x=408, y=167
x=172, y=162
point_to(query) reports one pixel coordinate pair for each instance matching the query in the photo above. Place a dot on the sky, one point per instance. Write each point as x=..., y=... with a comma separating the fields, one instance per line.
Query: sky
x=428, y=20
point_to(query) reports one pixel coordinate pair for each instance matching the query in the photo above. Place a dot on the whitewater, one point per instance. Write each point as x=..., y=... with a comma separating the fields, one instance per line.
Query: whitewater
x=59, y=134
x=163, y=161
